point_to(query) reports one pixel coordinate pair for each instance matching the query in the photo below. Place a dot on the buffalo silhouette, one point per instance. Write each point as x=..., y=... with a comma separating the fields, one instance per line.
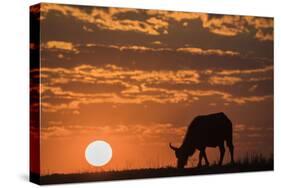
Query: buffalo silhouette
x=210, y=130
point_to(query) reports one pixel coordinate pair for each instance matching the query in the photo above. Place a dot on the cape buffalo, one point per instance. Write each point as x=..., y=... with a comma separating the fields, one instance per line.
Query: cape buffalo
x=205, y=131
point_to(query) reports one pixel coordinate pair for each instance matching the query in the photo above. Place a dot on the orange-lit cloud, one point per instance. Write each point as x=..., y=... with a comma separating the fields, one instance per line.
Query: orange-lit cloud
x=233, y=25
x=162, y=96
x=61, y=45
x=251, y=99
x=259, y=22
x=234, y=76
x=261, y=25
x=105, y=19
x=178, y=16
x=146, y=132
x=200, y=51
x=231, y=77
x=224, y=80
x=247, y=71
x=191, y=50
x=157, y=42
x=226, y=25
x=229, y=97
x=92, y=73
x=239, y=127
x=177, y=77
x=129, y=47
x=158, y=21
x=264, y=36
x=136, y=87
x=253, y=88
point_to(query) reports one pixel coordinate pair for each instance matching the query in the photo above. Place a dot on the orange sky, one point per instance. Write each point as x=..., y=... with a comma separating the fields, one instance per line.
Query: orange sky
x=136, y=79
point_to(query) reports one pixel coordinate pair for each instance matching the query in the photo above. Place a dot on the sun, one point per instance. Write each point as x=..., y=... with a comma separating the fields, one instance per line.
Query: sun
x=98, y=153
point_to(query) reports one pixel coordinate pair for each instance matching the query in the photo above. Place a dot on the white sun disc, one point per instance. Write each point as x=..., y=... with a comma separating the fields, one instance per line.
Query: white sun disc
x=98, y=153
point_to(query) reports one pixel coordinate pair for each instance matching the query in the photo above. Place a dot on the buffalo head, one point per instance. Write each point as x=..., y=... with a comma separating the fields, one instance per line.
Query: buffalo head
x=182, y=155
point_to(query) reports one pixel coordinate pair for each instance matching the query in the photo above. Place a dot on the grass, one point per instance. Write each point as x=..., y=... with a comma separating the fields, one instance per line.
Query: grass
x=249, y=163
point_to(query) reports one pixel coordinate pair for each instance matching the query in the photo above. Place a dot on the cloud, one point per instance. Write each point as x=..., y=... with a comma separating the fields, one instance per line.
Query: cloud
x=190, y=50
x=138, y=87
x=157, y=42
x=139, y=98
x=264, y=36
x=234, y=76
x=161, y=96
x=60, y=45
x=252, y=99
x=225, y=80
x=128, y=97
x=95, y=74
x=225, y=25
x=221, y=25
x=55, y=132
x=105, y=18
x=200, y=51
x=239, y=128
x=129, y=47
x=228, y=97
x=228, y=25
x=253, y=88
x=177, y=77
x=176, y=15
x=243, y=131
x=143, y=132
x=232, y=80
x=157, y=21
x=259, y=22
x=257, y=79
x=247, y=71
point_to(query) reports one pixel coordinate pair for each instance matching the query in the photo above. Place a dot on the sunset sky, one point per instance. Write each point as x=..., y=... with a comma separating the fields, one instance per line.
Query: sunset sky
x=136, y=79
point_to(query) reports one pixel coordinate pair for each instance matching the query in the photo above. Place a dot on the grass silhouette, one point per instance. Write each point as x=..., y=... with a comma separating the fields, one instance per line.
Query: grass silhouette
x=250, y=163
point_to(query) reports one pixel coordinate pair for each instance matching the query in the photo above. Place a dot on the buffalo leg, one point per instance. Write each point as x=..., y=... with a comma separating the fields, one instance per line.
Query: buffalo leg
x=200, y=159
x=205, y=158
x=231, y=150
x=222, y=150
x=232, y=154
